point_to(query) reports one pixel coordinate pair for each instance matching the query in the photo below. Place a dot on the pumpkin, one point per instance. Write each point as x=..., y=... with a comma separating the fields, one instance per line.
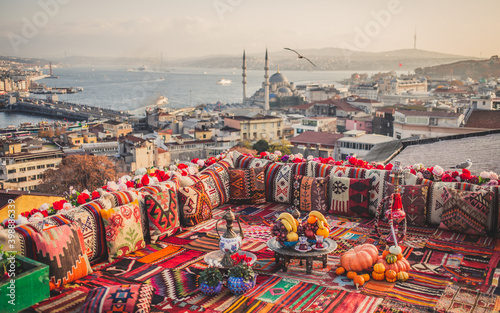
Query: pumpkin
x=402, y=276
x=400, y=265
x=400, y=256
x=395, y=250
x=391, y=258
x=366, y=277
x=385, y=253
x=379, y=268
x=391, y=280
x=359, y=258
x=358, y=281
x=351, y=275
x=340, y=270
x=378, y=276
x=390, y=274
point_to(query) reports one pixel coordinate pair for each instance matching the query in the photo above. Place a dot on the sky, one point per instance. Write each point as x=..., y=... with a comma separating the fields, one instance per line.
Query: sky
x=195, y=28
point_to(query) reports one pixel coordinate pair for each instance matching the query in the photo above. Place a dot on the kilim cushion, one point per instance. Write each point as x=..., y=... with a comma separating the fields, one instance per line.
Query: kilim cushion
x=414, y=198
x=247, y=185
x=310, y=193
x=466, y=211
x=118, y=198
x=163, y=214
x=194, y=204
x=123, y=229
x=349, y=196
x=247, y=161
x=279, y=181
x=62, y=249
x=216, y=179
x=133, y=298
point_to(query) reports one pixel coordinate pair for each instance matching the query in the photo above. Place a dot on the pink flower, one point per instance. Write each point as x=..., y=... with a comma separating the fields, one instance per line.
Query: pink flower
x=438, y=170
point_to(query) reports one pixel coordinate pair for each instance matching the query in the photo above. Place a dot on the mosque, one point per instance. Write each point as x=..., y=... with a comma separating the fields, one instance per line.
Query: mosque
x=279, y=92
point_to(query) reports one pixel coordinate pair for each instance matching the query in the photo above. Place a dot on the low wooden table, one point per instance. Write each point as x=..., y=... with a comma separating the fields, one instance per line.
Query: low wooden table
x=284, y=255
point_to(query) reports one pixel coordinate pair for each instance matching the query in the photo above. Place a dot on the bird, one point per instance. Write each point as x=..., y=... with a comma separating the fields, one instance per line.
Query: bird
x=301, y=56
x=465, y=165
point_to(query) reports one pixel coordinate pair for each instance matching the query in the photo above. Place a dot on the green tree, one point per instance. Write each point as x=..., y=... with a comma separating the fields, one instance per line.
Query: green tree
x=283, y=146
x=261, y=146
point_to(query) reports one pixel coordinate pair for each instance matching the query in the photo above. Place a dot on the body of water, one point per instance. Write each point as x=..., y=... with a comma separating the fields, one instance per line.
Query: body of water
x=123, y=89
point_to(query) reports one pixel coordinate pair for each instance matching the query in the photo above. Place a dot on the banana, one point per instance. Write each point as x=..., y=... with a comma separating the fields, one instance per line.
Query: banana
x=321, y=225
x=290, y=219
x=319, y=216
x=287, y=225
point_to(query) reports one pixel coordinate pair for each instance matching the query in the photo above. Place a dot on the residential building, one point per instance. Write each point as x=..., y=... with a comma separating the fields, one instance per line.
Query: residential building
x=24, y=170
x=367, y=105
x=257, y=127
x=225, y=138
x=383, y=122
x=367, y=90
x=116, y=128
x=316, y=92
x=108, y=148
x=318, y=144
x=306, y=109
x=137, y=153
x=203, y=133
x=485, y=102
x=316, y=124
x=364, y=123
x=188, y=150
x=335, y=108
x=358, y=143
x=401, y=85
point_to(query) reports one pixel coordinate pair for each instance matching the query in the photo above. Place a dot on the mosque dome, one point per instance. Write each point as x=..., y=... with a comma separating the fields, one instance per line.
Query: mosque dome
x=285, y=90
x=278, y=78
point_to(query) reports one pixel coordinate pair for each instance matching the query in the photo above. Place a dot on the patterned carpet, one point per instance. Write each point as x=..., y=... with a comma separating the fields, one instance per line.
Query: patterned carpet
x=450, y=273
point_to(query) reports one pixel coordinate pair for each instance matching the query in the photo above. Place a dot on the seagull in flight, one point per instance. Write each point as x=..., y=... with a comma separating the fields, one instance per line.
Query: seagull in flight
x=466, y=165
x=301, y=56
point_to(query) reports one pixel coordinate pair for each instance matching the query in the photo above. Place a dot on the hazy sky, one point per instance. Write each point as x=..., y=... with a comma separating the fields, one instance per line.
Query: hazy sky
x=189, y=28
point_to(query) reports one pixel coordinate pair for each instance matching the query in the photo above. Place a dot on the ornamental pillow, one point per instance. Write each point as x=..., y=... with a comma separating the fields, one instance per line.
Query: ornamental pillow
x=466, y=211
x=310, y=193
x=379, y=179
x=247, y=186
x=279, y=181
x=414, y=199
x=62, y=249
x=123, y=230
x=216, y=179
x=118, y=198
x=163, y=214
x=436, y=199
x=349, y=196
x=247, y=161
x=194, y=204
x=125, y=298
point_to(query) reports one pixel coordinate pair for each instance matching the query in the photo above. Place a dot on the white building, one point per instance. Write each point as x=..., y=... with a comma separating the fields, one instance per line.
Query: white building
x=485, y=102
x=368, y=90
x=367, y=105
x=426, y=124
x=357, y=142
x=315, y=124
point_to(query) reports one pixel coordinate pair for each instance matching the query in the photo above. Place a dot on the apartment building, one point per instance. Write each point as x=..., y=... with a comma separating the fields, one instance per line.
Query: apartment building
x=257, y=127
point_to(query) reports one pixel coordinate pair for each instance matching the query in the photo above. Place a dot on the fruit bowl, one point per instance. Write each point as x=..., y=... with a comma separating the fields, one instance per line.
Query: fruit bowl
x=289, y=244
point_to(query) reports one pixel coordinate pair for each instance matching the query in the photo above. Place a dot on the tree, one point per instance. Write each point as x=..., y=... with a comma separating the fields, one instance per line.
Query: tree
x=261, y=146
x=80, y=172
x=283, y=146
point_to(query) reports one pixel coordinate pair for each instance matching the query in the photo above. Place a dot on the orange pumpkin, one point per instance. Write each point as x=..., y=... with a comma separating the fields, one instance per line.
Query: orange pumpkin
x=385, y=253
x=399, y=265
x=359, y=258
x=390, y=274
x=351, y=275
x=358, y=281
x=391, y=280
x=340, y=270
x=400, y=256
x=366, y=277
x=378, y=276
x=379, y=268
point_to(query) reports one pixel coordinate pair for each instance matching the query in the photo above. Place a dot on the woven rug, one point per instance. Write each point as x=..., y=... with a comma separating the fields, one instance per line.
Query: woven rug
x=132, y=270
x=459, y=299
x=173, y=257
x=390, y=306
x=343, y=301
x=175, y=284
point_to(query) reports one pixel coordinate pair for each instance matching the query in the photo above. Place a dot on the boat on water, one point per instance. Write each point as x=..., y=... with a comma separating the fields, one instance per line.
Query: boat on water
x=142, y=68
x=161, y=100
x=224, y=82
x=162, y=78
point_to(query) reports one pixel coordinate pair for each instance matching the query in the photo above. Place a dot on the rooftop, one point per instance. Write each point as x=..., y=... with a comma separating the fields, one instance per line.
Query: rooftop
x=370, y=138
x=256, y=117
x=431, y=113
x=340, y=104
x=304, y=106
x=113, y=122
x=484, y=119
x=316, y=138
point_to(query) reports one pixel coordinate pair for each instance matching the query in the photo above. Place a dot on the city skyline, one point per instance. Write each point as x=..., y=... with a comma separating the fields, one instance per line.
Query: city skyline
x=53, y=28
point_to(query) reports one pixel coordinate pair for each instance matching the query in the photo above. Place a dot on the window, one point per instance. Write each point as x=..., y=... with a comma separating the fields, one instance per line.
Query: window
x=254, y=126
x=31, y=168
x=22, y=169
x=12, y=171
x=278, y=133
x=254, y=135
x=50, y=165
x=40, y=166
x=398, y=135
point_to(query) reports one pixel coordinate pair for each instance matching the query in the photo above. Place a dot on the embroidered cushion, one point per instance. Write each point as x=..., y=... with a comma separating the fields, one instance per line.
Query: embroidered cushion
x=310, y=193
x=349, y=196
x=378, y=178
x=62, y=249
x=163, y=214
x=133, y=298
x=247, y=185
x=279, y=181
x=216, y=179
x=247, y=161
x=194, y=204
x=466, y=211
x=123, y=229
x=118, y=198
x=414, y=199
x=436, y=201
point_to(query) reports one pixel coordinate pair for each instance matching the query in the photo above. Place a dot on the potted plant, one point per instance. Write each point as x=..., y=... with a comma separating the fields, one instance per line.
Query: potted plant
x=241, y=275
x=210, y=280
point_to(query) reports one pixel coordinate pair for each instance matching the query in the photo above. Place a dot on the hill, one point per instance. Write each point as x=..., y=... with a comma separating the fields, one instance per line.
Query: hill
x=476, y=69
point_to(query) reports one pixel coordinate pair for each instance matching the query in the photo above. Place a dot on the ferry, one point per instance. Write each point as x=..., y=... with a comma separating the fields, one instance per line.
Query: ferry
x=224, y=82
x=161, y=100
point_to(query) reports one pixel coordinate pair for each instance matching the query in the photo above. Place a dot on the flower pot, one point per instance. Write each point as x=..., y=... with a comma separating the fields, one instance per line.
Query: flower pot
x=238, y=286
x=210, y=290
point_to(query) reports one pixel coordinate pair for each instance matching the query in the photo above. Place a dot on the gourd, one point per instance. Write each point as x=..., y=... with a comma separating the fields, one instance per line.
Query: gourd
x=366, y=277
x=398, y=266
x=359, y=258
x=390, y=276
x=379, y=268
x=402, y=276
x=391, y=258
x=340, y=270
x=351, y=275
x=378, y=276
x=358, y=281
x=395, y=250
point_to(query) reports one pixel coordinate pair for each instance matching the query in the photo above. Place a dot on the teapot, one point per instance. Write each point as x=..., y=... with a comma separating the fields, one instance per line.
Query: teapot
x=229, y=242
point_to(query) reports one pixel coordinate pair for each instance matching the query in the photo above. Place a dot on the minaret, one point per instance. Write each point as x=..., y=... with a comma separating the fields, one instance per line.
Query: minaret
x=244, y=67
x=415, y=39
x=266, y=85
